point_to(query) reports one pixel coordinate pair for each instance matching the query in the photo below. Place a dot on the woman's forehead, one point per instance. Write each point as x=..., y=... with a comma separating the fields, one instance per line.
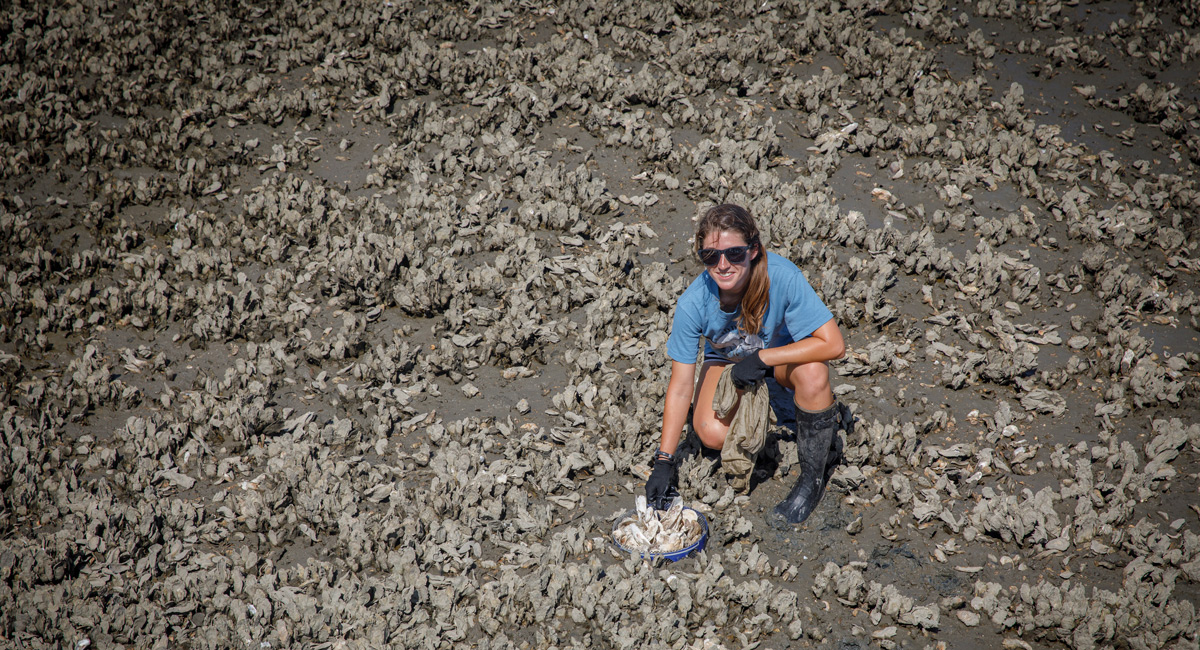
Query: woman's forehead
x=724, y=239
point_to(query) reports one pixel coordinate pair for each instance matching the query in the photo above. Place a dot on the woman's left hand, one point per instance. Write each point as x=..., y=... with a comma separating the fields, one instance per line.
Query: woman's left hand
x=749, y=371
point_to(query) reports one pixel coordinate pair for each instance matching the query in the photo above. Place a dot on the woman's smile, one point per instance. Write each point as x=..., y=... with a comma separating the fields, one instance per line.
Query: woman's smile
x=731, y=279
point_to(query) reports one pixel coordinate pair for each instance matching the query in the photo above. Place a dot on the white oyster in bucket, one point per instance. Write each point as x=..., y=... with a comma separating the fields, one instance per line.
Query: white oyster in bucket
x=646, y=530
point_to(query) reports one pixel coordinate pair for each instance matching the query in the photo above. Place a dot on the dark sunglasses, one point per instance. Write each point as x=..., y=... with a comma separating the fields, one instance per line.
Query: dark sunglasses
x=735, y=254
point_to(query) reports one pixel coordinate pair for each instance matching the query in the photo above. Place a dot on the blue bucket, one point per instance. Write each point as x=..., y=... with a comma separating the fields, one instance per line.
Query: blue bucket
x=673, y=556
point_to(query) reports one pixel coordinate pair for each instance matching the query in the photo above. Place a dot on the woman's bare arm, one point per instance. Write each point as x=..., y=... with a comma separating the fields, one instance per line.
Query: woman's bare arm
x=825, y=344
x=676, y=403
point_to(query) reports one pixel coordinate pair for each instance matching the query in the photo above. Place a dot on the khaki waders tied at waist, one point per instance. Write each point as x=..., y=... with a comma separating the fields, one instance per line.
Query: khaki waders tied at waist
x=747, y=432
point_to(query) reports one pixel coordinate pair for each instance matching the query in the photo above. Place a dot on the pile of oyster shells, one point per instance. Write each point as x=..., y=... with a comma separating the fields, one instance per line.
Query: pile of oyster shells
x=656, y=532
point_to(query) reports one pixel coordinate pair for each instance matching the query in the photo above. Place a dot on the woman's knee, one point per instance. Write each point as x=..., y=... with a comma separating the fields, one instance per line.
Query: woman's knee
x=810, y=381
x=711, y=432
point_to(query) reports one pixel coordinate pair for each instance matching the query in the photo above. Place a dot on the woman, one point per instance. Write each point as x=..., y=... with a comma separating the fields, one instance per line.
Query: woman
x=757, y=312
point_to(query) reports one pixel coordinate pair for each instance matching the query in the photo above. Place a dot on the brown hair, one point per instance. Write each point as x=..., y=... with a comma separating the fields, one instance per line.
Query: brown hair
x=735, y=218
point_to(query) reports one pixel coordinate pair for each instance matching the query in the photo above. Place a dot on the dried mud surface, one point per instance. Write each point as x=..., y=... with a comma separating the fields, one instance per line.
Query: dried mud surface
x=342, y=324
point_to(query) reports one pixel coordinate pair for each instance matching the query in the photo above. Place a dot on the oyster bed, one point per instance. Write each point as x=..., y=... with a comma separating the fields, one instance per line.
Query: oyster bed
x=343, y=325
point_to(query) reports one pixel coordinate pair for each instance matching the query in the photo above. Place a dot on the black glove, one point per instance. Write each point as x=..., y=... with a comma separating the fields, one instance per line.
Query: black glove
x=660, y=487
x=748, y=371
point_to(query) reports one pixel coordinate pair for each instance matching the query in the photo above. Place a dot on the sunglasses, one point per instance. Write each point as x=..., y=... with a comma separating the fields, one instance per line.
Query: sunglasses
x=735, y=254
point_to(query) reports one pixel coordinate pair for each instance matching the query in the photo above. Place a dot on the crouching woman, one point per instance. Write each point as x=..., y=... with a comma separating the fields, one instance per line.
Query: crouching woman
x=757, y=311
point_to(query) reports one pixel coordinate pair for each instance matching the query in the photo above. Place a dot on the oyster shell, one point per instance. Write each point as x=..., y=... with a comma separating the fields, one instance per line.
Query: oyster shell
x=659, y=531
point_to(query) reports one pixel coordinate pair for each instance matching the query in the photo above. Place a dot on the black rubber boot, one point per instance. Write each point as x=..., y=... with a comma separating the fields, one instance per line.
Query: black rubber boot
x=817, y=437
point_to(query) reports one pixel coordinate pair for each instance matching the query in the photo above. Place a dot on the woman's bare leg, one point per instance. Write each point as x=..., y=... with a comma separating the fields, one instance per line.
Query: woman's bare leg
x=809, y=382
x=711, y=429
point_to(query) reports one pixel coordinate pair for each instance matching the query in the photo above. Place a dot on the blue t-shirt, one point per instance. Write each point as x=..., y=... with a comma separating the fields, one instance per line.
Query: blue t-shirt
x=793, y=312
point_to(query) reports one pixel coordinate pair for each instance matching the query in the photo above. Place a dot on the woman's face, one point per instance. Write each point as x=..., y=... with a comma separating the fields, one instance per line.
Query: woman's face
x=732, y=279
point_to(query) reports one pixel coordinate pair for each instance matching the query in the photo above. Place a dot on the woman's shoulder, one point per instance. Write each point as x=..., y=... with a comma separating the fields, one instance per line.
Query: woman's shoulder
x=786, y=277
x=778, y=265
x=700, y=288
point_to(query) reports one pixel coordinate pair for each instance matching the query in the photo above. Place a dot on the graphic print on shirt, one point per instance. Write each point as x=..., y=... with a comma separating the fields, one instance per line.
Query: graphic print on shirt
x=735, y=345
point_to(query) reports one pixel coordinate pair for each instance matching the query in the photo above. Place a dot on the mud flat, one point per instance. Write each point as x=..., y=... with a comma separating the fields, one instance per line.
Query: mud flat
x=334, y=325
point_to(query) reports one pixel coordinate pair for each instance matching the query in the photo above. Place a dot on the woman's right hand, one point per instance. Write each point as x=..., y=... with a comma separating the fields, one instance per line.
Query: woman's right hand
x=660, y=487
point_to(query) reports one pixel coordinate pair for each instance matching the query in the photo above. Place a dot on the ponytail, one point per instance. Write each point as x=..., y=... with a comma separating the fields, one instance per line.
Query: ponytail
x=758, y=294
